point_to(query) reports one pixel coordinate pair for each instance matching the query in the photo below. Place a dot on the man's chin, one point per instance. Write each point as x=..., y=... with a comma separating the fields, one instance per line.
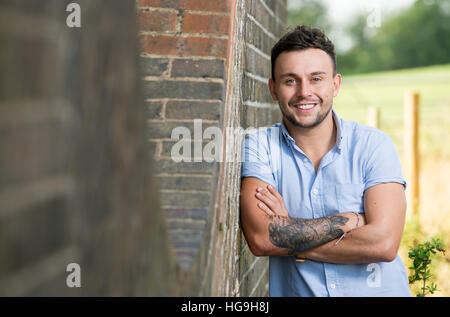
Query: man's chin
x=305, y=123
x=300, y=124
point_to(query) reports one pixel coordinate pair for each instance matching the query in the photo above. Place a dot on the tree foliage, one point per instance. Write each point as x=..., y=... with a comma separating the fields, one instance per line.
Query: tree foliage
x=417, y=36
x=310, y=12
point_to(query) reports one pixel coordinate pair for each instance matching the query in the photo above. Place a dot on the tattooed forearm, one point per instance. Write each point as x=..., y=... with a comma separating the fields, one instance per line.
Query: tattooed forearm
x=300, y=235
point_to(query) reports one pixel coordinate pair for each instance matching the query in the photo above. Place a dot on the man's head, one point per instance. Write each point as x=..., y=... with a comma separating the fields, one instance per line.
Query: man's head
x=304, y=79
x=301, y=38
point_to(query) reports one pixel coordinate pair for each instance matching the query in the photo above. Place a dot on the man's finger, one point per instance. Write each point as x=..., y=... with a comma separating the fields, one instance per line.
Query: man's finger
x=266, y=193
x=274, y=192
x=265, y=209
x=266, y=200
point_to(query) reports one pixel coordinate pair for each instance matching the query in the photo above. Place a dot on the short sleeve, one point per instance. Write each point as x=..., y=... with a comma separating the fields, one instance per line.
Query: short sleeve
x=383, y=164
x=255, y=157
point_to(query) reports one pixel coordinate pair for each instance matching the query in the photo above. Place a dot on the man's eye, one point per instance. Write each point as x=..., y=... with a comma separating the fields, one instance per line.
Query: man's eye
x=317, y=79
x=290, y=81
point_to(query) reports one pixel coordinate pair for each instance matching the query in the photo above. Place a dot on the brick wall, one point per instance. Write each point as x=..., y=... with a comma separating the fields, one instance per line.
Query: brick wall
x=208, y=60
x=86, y=116
x=75, y=173
x=35, y=233
x=184, y=45
x=265, y=23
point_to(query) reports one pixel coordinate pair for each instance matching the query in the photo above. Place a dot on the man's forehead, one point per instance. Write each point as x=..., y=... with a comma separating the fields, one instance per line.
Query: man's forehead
x=311, y=60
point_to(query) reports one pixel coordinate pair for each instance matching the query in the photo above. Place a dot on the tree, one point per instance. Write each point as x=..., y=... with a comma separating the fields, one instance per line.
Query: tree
x=310, y=12
x=417, y=36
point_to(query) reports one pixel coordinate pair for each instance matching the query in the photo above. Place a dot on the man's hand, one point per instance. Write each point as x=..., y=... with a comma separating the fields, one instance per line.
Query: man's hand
x=271, y=201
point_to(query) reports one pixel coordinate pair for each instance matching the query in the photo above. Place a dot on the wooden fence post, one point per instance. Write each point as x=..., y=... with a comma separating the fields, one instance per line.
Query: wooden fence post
x=411, y=149
x=373, y=117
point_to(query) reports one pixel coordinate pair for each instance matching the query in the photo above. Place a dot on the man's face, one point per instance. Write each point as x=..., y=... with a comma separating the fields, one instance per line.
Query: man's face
x=304, y=86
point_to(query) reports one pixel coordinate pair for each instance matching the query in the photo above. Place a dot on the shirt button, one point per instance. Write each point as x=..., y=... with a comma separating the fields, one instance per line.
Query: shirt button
x=315, y=191
x=332, y=286
x=305, y=160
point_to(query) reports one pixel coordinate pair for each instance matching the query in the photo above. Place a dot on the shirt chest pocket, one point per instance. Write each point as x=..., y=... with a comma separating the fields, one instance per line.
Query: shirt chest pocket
x=345, y=198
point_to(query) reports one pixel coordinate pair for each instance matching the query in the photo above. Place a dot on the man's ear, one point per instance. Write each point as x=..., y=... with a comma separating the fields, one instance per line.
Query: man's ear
x=272, y=89
x=337, y=84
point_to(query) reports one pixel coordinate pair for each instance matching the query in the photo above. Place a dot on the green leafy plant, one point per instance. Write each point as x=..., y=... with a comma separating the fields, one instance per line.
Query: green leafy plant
x=421, y=258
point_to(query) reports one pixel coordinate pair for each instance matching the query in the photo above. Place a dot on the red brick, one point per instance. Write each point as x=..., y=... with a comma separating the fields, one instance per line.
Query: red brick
x=183, y=46
x=197, y=5
x=207, y=5
x=198, y=46
x=159, y=44
x=175, y=4
x=201, y=23
x=157, y=21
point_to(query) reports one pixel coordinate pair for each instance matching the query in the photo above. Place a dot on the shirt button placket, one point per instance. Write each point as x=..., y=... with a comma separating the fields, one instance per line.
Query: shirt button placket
x=332, y=280
x=333, y=288
x=316, y=202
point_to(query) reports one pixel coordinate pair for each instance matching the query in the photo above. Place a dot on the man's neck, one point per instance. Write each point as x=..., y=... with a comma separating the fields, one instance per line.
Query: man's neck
x=317, y=141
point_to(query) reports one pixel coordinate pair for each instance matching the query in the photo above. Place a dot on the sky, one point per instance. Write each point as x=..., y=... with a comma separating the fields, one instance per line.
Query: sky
x=343, y=11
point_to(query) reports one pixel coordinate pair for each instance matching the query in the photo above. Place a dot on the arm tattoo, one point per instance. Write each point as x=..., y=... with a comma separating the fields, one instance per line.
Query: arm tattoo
x=300, y=235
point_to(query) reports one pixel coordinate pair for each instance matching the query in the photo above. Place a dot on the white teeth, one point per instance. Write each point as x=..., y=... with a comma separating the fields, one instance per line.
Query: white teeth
x=306, y=107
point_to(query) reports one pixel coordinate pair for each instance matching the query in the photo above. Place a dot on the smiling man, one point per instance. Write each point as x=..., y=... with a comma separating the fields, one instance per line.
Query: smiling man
x=322, y=197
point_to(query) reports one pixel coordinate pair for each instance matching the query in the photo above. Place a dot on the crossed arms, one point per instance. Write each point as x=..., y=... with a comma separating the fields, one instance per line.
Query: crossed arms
x=270, y=231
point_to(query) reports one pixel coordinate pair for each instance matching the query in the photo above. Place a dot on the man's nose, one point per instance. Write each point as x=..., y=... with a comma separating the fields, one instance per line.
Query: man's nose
x=304, y=89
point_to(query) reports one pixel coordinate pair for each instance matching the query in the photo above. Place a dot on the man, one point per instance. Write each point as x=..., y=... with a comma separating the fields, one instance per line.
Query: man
x=321, y=196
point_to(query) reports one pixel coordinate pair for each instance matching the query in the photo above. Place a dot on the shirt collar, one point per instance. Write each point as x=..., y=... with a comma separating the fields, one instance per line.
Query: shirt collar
x=337, y=121
x=339, y=127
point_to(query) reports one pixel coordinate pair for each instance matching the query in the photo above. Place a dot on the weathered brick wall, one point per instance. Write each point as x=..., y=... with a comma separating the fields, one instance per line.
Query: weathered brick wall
x=257, y=24
x=75, y=172
x=183, y=54
x=82, y=127
x=35, y=188
x=265, y=23
x=208, y=60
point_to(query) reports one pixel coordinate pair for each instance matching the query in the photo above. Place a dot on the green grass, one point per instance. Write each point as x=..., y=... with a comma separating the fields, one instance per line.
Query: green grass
x=386, y=90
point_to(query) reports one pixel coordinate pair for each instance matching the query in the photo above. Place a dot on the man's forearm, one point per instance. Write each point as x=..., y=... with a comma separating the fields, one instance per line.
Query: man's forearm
x=299, y=235
x=364, y=245
x=379, y=239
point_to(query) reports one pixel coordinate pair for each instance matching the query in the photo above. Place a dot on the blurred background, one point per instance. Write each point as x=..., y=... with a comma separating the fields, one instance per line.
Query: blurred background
x=385, y=49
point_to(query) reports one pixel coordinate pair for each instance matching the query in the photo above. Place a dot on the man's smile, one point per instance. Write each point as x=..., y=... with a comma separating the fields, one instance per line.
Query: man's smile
x=304, y=107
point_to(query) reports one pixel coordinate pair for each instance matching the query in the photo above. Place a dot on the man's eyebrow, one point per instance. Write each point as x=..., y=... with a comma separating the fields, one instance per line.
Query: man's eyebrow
x=310, y=74
x=288, y=75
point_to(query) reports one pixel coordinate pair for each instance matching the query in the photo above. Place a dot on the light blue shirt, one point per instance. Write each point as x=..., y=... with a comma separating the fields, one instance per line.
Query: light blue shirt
x=362, y=157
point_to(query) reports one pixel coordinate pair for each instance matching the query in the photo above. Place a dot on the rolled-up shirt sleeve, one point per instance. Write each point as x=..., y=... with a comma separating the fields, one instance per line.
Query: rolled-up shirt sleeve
x=255, y=157
x=383, y=164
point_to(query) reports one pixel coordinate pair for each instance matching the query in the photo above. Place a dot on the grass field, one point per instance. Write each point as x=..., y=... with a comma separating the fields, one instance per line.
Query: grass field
x=386, y=90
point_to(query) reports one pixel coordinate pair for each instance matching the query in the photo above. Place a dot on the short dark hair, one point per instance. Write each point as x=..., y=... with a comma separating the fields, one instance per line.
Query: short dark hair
x=303, y=37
